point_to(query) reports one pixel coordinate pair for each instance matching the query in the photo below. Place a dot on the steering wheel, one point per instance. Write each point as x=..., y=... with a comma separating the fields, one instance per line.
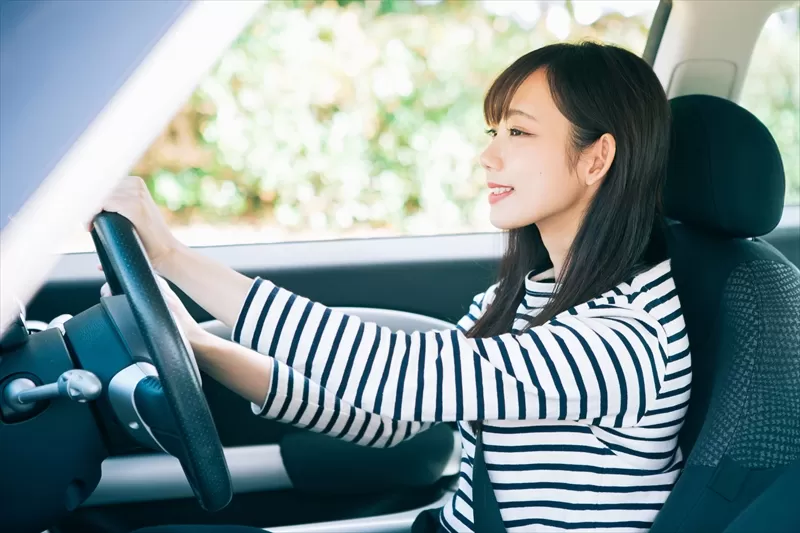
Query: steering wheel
x=189, y=433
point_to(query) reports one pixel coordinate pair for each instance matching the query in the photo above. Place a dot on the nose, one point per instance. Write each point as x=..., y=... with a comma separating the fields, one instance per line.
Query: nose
x=490, y=158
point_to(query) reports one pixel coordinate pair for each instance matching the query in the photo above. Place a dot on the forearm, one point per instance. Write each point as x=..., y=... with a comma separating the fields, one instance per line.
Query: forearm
x=279, y=393
x=245, y=372
x=217, y=288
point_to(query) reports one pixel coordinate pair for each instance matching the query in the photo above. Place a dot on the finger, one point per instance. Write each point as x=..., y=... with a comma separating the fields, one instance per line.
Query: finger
x=119, y=206
x=111, y=205
x=105, y=290
x=100, y=268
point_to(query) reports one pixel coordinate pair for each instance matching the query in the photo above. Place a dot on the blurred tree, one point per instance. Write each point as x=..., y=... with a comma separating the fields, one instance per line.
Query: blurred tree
x=345, y=117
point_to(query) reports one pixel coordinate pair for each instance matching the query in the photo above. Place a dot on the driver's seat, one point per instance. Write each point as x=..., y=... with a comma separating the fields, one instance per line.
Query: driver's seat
x=741, y=302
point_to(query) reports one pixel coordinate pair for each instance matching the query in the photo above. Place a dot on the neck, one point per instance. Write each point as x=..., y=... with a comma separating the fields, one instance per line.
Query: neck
x=558, y=234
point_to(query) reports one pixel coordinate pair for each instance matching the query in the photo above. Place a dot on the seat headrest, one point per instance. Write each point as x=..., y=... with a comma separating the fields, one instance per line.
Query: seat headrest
x=725, y=174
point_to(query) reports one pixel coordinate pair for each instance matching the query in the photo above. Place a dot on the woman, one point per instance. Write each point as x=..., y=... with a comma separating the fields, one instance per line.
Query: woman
x=572, y=372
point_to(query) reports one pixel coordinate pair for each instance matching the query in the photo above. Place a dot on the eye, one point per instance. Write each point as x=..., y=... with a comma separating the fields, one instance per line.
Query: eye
x=516, y=133
x=491, y=132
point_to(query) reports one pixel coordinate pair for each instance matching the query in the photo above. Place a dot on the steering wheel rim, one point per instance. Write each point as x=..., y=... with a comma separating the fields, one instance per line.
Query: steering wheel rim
x=128, y=271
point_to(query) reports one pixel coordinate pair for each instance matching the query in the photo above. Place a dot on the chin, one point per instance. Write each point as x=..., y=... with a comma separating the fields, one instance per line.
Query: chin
x=507, y=223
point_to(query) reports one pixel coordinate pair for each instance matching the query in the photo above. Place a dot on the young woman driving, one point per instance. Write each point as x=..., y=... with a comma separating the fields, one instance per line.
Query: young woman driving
x=571, y=374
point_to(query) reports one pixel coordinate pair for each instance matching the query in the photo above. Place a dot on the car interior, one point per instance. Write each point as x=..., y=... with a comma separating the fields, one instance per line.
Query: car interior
x=93, y=465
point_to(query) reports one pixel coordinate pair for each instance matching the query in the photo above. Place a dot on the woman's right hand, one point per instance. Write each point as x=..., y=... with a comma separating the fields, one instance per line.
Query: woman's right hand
x=218, y=289
x=132, y=200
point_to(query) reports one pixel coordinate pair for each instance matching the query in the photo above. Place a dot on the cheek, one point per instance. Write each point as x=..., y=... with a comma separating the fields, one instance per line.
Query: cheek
x=546, y=194
x=543, y=191
x=554, y=186
x=549, y=185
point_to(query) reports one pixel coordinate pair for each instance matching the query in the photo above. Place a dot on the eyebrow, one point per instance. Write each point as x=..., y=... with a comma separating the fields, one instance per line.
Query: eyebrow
x=513, y=112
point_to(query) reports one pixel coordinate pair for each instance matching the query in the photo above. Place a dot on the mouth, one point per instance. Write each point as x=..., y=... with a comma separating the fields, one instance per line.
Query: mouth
x=498, y=192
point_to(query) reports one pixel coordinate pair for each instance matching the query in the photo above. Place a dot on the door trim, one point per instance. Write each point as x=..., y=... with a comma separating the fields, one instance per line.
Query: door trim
x=154, y=476
x=390, y=523
x=310, y=255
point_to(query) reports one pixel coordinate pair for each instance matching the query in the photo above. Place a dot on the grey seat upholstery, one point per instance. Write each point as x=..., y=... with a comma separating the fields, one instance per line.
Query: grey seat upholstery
x=741, y=303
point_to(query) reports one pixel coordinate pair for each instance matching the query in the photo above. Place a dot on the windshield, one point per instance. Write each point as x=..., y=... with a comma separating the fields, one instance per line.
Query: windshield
x=60, y=64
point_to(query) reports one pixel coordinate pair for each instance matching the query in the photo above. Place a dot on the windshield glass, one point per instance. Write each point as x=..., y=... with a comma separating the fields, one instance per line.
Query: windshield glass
x=54, y=81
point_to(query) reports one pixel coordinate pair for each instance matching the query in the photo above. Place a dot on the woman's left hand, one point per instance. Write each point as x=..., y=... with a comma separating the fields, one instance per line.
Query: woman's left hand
x=187, y=323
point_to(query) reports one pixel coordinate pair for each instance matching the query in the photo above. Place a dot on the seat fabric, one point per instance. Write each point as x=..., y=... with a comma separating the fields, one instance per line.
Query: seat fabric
x=741, y=303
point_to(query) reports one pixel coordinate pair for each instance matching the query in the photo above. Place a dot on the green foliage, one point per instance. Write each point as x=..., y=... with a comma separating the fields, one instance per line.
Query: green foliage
x=342, y=117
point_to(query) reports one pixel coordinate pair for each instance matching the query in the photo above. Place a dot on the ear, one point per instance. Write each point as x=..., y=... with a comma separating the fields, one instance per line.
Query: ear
x=597, y=159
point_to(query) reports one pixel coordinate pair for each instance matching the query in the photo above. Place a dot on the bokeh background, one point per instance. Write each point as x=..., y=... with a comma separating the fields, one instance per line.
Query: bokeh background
x=351, y=118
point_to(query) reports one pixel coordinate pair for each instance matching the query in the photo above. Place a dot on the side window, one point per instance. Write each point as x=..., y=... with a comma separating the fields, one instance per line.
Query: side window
x=352, y=118
x=771, y=90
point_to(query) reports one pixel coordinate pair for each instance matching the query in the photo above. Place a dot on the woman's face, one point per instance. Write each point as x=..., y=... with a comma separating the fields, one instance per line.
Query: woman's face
x=527, y=162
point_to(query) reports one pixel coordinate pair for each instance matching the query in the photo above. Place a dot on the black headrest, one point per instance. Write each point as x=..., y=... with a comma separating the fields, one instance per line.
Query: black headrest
x=725, y=171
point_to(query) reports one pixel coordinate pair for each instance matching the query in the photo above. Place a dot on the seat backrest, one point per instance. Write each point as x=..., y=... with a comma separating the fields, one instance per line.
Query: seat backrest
x=741, y=302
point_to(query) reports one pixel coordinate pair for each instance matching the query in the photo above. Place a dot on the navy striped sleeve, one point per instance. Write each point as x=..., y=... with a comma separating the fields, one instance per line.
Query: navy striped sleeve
x=293, y=398
x=604, y=361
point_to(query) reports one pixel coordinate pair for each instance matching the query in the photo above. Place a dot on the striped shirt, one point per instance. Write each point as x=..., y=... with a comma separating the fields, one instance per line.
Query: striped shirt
x=581, y=414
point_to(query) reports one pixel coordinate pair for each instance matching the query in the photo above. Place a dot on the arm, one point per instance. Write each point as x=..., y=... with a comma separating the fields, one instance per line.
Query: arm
x=220, y=290
x=275, y=390
x=605, y=363
x=217, y=288
x=243, y=371
x=278, y=392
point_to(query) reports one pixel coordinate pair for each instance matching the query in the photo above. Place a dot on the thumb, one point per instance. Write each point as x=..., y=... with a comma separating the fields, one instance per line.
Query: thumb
x=105, y=290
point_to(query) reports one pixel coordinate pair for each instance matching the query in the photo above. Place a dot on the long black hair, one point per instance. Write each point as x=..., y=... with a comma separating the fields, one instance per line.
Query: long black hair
x=599, y=89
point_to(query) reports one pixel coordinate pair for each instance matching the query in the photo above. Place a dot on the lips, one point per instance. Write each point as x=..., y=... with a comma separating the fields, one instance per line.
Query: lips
x=498, y=192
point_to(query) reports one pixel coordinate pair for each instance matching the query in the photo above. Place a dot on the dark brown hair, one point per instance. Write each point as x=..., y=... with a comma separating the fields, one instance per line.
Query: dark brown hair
x=599, y=89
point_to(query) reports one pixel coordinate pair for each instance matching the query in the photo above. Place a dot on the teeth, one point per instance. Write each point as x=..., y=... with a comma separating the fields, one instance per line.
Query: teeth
x=501, y=190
